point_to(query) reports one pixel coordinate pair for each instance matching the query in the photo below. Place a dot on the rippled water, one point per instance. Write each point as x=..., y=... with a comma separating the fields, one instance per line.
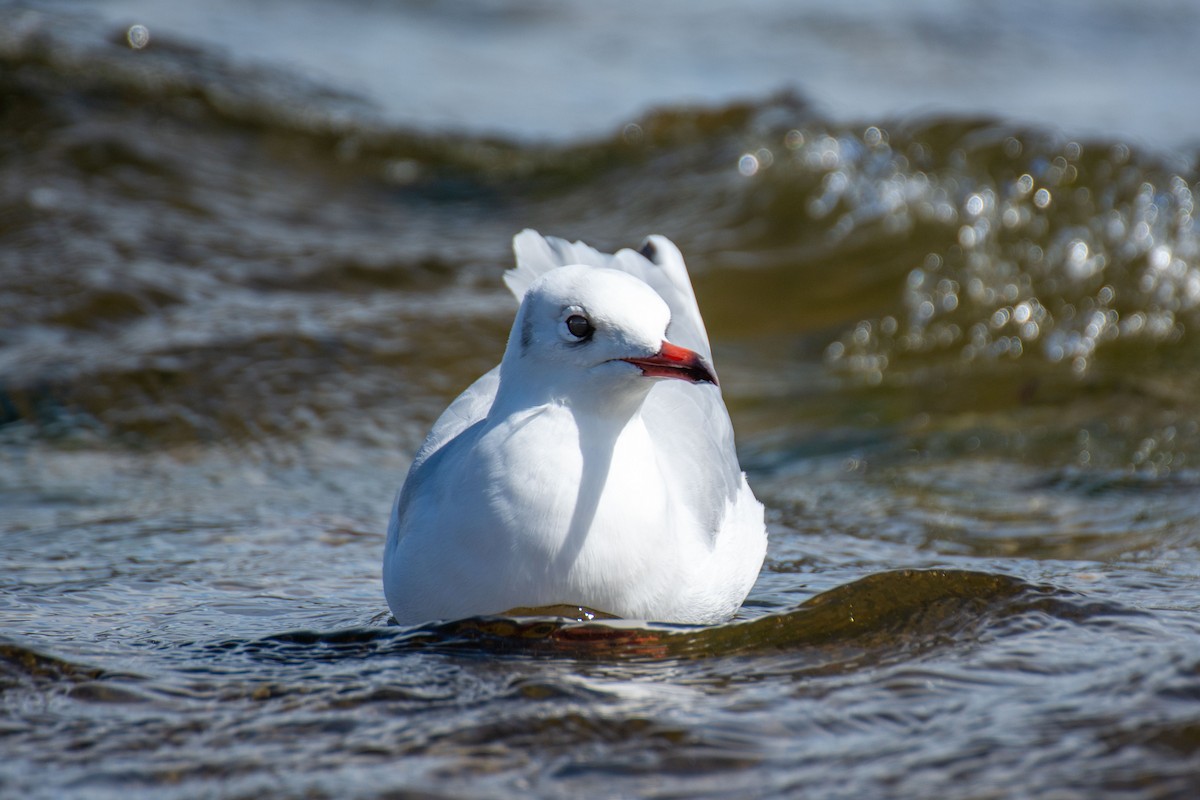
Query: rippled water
x=961, y=355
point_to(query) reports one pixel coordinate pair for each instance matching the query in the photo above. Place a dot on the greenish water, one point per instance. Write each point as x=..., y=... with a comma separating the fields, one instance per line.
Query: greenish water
x=960, y=355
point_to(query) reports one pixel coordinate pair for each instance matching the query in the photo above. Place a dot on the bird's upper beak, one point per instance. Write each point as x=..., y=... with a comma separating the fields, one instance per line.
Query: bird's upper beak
x=672, y=361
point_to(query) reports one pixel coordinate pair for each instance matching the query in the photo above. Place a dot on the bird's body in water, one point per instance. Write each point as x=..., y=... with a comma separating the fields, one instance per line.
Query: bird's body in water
x=593, y=467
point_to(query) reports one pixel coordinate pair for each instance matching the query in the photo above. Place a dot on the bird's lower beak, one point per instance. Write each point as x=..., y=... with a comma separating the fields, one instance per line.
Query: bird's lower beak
x=673, y=361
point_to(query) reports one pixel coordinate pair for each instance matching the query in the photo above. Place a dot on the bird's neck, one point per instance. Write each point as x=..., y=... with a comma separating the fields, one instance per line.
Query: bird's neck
x=599, y=406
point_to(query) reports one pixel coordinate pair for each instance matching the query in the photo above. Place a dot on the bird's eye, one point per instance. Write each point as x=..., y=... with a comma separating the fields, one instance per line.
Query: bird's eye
x=579, y=326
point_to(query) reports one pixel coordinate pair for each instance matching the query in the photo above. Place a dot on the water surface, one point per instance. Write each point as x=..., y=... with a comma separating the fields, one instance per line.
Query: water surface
x=960, y=353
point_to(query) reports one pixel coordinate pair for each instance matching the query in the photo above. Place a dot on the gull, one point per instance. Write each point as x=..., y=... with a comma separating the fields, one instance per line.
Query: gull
x=594, y=467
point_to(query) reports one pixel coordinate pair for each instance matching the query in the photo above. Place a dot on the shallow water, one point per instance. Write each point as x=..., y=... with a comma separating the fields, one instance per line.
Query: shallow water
x=960, y=354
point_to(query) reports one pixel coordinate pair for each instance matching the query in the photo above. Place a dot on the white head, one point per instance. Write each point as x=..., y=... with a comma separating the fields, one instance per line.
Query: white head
x=588, y=333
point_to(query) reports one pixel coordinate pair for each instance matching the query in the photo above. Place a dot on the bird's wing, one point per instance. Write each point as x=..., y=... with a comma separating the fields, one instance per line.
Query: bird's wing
x=694, y=445
x=467, y=409
x=689, y=422
x=657, y=263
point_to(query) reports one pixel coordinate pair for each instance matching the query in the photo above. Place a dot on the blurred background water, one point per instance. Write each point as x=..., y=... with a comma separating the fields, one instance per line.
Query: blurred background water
x=948, y=256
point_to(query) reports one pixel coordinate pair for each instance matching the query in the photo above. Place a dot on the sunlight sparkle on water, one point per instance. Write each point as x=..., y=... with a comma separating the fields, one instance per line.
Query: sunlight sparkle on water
x=138, y=36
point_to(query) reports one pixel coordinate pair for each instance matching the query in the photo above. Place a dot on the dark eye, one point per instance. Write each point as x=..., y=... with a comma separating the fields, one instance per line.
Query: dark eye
x=579, y=326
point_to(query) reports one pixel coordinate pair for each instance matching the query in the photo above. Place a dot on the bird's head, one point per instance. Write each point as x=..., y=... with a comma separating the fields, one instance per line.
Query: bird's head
x=594, y=332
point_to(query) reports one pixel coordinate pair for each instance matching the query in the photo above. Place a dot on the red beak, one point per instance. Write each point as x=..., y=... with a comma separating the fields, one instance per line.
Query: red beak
x=672, y=361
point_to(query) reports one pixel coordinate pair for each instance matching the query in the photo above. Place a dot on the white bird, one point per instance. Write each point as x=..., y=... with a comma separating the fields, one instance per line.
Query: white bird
x=577, y=472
